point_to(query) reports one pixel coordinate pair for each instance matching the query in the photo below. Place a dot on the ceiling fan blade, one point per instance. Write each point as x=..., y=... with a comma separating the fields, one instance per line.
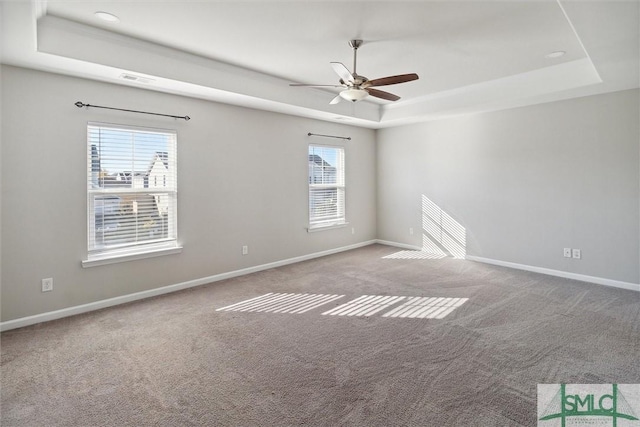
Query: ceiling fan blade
x=392, y=80
x=382, y=94
x=312, y=85
x=336, y=100
x=342, y=72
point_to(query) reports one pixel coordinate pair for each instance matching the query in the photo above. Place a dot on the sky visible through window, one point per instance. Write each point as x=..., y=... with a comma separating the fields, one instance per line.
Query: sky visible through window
x=127, y=151
x=328, y=155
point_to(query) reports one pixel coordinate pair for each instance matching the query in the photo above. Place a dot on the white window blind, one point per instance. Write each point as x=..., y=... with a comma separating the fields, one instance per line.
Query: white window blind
x=131, y=190
x=326, y=186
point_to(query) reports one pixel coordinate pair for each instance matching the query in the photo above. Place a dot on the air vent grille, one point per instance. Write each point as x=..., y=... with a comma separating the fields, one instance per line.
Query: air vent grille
x=134, y=78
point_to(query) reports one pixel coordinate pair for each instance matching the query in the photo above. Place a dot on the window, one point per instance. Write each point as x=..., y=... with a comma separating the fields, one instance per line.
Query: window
x=326, y=186
x=128, y=213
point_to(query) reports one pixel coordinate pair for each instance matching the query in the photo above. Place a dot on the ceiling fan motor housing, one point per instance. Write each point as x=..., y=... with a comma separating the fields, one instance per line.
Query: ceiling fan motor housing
x=355, y=43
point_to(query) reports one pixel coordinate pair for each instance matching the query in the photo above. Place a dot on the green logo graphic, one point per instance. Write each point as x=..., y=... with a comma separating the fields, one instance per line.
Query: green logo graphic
x=613, y=406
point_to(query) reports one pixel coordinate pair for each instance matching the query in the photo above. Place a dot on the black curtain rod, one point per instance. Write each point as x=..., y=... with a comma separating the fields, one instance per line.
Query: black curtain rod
x=329, y=136
x=80, y=104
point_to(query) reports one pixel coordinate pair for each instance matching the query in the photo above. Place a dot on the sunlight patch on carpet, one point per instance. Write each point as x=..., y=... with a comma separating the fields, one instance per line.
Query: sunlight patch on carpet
x=366, y=305
x=282, y=303
x=426, y=308
x=363, y=306
x=414, y=255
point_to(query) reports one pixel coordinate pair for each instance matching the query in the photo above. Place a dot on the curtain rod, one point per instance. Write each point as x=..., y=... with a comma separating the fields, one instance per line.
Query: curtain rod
x=329, y=136
x=80, y=104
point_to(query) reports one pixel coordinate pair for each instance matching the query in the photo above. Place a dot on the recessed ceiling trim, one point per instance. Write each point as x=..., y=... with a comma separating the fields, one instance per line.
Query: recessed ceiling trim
x=488, y=96
x=608, y=35
x=573, y=28
x=68, y=39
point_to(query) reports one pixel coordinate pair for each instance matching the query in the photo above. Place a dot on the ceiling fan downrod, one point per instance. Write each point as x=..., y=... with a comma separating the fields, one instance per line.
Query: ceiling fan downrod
x=355, y=44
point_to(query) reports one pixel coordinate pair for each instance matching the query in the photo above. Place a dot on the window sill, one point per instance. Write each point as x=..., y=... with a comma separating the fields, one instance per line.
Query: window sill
x=329, y=226
x=96, y=261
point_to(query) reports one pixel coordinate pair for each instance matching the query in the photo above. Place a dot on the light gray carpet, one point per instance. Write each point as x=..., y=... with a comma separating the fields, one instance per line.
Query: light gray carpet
x=176, y=361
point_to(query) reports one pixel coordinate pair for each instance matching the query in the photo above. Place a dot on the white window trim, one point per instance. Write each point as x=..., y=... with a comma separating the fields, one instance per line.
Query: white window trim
x=98, y=260
x=327, y=226
x=131, y=253
x=333, y=223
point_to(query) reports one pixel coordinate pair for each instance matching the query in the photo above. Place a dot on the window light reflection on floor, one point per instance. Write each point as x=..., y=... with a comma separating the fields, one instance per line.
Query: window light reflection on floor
x=442, y=236
x=414, y=255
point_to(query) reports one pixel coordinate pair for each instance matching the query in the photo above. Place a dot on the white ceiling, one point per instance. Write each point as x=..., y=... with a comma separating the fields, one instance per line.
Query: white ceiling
x=471, y=56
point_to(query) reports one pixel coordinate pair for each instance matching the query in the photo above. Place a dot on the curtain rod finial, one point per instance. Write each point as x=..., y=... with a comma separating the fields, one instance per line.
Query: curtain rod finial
x=79, y=104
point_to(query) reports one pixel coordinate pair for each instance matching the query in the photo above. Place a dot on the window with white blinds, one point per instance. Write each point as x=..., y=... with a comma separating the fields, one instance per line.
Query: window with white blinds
x=131, y=190
x=326, y=186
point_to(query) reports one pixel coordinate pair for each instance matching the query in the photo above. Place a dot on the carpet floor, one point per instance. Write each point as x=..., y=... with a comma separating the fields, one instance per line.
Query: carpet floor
x=178, y=360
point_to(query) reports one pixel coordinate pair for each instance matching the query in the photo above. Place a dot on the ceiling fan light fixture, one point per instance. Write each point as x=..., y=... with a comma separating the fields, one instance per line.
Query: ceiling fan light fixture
x=354, y=94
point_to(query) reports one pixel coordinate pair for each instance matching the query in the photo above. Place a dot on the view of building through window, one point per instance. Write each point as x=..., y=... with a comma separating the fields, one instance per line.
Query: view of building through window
x=131, y=187
x=326, y=186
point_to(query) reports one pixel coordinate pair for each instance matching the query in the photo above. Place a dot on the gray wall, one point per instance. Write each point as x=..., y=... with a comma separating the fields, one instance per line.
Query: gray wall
x=525, y=183
x=242, y=180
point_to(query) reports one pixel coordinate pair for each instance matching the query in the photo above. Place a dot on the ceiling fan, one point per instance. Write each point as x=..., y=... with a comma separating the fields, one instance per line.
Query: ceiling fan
x=357, y=87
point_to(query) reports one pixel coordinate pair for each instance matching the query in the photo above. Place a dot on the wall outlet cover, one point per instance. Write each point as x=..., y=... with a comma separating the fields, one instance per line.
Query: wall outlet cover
x=47, y=284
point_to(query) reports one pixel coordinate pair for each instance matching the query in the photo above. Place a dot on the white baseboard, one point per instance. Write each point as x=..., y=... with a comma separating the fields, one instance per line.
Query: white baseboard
x=84, y=308
x=399, y=245
x=559, y=273
x=542, y=270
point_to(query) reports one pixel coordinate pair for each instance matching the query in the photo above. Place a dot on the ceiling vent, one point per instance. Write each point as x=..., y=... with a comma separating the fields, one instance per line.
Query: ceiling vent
x=134, y=78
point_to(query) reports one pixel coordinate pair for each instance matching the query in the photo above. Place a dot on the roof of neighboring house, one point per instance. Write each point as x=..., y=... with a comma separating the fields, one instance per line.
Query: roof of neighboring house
x=160, y=155
x=164, y=156
x=314, y=158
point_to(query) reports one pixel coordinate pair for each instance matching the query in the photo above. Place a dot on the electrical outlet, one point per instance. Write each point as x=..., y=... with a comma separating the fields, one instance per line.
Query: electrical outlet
x=577, y=254
x=245, y=250
x=353, y=230
x=567, y=252
x=411, y=231
x=47, y=284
